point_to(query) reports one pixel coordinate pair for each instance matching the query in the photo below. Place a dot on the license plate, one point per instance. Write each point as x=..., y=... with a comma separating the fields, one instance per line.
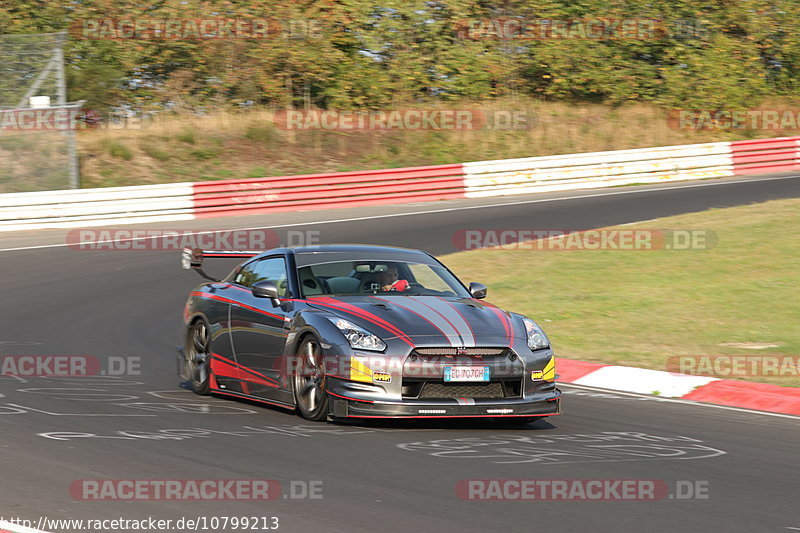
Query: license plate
x=466, y=373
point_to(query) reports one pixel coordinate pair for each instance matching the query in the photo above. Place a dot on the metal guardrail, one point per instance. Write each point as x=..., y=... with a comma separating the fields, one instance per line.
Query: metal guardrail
x=187, y=201
x=96, y=207
x=600, y=169
x=324, y=191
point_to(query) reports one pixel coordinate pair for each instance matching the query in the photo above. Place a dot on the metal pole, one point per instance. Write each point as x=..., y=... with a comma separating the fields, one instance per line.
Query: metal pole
x=72, y=142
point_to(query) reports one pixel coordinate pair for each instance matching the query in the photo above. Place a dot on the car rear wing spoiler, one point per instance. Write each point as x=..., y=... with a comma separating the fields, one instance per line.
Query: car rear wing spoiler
x=192, y=258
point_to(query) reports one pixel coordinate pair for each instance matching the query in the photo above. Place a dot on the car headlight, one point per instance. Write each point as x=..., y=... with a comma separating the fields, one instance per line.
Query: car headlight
x=537, y=340
x=358, y=337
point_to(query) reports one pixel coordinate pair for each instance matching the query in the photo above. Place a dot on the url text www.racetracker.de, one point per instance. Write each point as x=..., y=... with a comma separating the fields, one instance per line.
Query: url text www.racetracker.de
x=122, y=525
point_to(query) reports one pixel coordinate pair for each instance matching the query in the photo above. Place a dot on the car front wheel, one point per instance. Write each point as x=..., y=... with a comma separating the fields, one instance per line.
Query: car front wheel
x=310, y=395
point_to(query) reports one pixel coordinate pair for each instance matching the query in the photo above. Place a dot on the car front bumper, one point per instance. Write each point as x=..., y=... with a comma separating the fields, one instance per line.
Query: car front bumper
x=548, y=404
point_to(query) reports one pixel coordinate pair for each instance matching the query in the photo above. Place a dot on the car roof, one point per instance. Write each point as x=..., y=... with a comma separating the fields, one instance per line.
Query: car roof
x=326, y=253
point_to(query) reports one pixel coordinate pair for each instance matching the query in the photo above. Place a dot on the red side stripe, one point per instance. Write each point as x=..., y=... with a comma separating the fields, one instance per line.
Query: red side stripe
x=210, y=296
x=232, y=286
x=232, y=255
x=224, y=368
x=241, y=367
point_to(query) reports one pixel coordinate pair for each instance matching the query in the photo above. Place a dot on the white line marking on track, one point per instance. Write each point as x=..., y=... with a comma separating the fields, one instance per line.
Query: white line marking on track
x=638, y=222
x=679, y=400
x=16, y=528
x=31, y=409
x=413, y=213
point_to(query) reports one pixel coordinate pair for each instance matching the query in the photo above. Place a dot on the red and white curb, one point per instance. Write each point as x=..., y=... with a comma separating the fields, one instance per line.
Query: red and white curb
x=8, y=527
x=731, y=393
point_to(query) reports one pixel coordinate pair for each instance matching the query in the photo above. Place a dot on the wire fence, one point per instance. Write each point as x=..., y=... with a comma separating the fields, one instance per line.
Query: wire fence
x=38, y=148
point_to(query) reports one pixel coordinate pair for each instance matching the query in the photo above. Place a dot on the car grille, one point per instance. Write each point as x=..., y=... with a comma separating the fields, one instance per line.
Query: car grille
x=469, y=352
x=418, y=383
x=438, y=390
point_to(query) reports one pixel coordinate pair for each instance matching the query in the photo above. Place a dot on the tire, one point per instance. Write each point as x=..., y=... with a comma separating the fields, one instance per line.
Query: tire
x=198, y=356
x=308, y=382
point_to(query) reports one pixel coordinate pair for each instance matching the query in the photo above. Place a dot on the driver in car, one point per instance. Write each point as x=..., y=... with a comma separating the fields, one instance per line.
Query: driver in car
x=389, y=282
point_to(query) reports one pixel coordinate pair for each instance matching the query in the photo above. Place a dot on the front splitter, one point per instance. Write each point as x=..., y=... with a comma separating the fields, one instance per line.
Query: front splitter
x=344, y=407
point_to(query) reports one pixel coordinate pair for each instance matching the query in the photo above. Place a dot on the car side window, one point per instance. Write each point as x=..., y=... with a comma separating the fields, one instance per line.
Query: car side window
x=270, y=269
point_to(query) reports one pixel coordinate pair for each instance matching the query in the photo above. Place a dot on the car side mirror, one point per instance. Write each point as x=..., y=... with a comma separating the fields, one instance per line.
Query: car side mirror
x=266, y=289
x=191, y=258
x=478, y=290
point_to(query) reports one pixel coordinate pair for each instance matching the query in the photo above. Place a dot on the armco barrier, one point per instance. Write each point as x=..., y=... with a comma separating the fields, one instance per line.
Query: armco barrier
x=94, y=207
x=187, y=201
x=323, y=191
x=766, y=155
x=601, y=169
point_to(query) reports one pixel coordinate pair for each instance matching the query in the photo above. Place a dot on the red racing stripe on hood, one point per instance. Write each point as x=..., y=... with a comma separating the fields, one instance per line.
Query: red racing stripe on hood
x=458, y=332
x=455, y=308
x=415, y=313
x=366, y=315
x=506, y=323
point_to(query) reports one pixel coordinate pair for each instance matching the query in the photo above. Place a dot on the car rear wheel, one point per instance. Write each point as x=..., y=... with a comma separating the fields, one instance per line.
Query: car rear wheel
x=309, y=381
x=198, y=357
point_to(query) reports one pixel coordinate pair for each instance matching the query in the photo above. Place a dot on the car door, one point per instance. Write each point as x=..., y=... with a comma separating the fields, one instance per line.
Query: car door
x=258, y=327
x=213, y=301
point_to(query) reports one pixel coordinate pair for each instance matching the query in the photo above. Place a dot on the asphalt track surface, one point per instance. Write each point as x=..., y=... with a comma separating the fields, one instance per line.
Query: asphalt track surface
x=379, y=476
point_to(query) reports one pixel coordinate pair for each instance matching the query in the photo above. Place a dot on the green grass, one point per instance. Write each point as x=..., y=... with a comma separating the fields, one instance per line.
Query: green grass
x=187, y=136
x=183, y=146
x=256, y=172
x=155, y=152
x=203, y=154
x=639, y=307
x=264, y=133
x=119, y=150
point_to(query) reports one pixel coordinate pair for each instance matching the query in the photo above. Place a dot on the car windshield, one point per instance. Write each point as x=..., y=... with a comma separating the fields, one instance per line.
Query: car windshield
x=379, y=277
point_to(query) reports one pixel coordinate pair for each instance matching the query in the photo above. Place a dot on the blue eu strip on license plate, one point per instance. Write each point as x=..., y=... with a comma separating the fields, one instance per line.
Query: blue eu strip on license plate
x=466, y=373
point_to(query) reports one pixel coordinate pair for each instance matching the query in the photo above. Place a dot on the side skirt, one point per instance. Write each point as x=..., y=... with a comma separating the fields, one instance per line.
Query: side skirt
x=252, y=398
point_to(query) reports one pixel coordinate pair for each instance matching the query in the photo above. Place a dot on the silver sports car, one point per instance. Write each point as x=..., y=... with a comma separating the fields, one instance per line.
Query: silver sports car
x=341, y=331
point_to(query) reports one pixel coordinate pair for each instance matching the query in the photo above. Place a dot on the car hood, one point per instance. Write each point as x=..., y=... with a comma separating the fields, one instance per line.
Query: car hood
x=425, y=320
